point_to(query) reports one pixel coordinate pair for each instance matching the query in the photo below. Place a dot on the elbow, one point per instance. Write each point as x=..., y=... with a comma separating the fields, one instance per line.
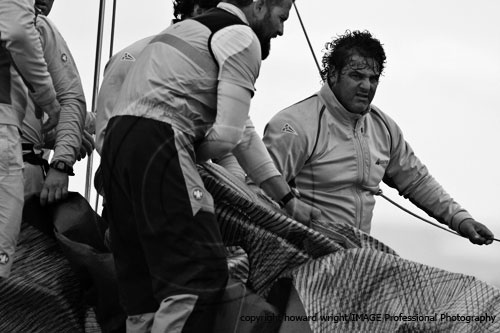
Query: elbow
x=221, y=140
x=226, y=136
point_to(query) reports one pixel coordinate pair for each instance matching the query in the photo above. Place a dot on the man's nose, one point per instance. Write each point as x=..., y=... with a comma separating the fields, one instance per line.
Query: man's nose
x=281, y=29
x=365, y=84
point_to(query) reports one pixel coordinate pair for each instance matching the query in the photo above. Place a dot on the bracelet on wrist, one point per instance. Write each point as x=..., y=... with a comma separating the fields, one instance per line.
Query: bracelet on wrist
x=293, y=193
x=458, y=227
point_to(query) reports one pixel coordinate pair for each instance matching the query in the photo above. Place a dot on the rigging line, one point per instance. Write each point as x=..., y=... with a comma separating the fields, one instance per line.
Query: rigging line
x=307, y=38
x=111, y=44
x=113, y=19
x=379, y=193
x=97, y=70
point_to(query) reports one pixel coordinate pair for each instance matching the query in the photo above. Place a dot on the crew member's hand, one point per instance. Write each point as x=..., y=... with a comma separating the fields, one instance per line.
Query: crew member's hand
x=90, y=122
x=52, y=120
x=54, y=188
x=476, y=232
x=87, y=146
x=302, y=212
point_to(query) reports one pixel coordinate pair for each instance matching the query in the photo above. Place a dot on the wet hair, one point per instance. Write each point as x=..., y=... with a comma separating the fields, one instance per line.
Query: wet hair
x=184, y=8
x=244, y=3
x=240, y=3
x=341, y=48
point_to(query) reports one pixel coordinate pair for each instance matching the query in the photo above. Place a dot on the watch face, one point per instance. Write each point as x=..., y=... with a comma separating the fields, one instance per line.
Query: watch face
x=295, y=192
x=63, y=167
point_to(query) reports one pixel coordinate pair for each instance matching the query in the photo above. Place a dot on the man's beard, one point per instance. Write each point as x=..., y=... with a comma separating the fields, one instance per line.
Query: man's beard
x=265, y=47
x=265, y=42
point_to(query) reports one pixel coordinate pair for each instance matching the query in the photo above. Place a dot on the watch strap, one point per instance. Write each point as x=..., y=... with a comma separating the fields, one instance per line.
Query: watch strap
x=62, y=167
x=289, y=196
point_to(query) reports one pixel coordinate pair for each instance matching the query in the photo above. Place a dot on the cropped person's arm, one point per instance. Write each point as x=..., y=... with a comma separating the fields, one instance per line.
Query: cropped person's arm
x=18, y=33
x=256, y=161
x=69, y=90
x=413, y=180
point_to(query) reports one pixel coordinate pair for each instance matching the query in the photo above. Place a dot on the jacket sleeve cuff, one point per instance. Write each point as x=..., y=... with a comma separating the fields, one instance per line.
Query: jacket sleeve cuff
x=65, y=157
x=263, y=172
x=53, y=105
x=459, y=217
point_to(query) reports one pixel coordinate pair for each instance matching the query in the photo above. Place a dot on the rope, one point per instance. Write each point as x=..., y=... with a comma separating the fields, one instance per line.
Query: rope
x=307, y=38
x=380, y=193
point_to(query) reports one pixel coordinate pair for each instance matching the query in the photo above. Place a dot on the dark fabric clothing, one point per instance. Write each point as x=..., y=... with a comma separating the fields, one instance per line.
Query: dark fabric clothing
x=161, y=245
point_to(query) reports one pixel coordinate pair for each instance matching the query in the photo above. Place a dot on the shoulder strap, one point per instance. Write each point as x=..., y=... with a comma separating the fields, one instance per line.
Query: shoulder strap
x=216, y=19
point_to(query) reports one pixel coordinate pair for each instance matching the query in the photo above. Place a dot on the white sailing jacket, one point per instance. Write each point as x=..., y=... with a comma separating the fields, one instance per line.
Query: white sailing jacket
x=337, y=160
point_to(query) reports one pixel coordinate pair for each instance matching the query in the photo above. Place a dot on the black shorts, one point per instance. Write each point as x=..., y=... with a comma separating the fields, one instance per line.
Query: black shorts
x=164, y=235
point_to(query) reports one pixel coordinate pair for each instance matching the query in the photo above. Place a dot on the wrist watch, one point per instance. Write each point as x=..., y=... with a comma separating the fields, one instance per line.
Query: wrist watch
x=294, y=193
x=62, y=167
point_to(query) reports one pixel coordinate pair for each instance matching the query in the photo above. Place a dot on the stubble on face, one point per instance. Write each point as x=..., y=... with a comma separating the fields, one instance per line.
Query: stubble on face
x=265, y=41
x=356, y=83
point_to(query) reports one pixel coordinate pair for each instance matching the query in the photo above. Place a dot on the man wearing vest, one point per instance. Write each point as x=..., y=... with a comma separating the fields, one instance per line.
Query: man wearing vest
x=185, y=100
x=120, y=64
x=336, y=147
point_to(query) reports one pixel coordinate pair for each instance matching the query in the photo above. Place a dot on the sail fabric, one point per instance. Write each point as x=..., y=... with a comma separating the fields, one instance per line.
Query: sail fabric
x=347, y=281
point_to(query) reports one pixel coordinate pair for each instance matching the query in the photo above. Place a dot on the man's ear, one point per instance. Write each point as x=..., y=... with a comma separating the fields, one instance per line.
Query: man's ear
x=197, y=10
x=260, y=9
x=332, y=76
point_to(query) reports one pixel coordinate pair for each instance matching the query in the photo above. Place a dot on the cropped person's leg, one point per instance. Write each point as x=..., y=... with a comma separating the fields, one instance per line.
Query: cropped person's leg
x=33, y=179
x=11, y=195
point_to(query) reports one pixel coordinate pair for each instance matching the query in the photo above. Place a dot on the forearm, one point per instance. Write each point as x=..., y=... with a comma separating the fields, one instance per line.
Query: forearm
x=68, y=135
x=275, y=187
x=414, y=182
x=432, y=198
x=254, y=157
x=68, y=86
x=219, y=141
x=230, y=163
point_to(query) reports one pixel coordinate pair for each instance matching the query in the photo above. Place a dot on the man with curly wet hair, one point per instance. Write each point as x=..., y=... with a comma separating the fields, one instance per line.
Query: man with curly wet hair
x=336, y=147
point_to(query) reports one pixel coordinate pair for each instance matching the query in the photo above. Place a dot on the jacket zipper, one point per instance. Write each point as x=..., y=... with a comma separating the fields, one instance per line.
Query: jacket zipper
x=360, y=164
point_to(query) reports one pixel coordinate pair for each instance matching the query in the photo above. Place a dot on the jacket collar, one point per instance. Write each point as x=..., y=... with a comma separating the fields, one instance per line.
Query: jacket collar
x=336, y=109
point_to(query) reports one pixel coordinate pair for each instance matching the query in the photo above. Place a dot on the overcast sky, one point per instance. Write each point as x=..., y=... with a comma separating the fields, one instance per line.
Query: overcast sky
x=441, y=85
